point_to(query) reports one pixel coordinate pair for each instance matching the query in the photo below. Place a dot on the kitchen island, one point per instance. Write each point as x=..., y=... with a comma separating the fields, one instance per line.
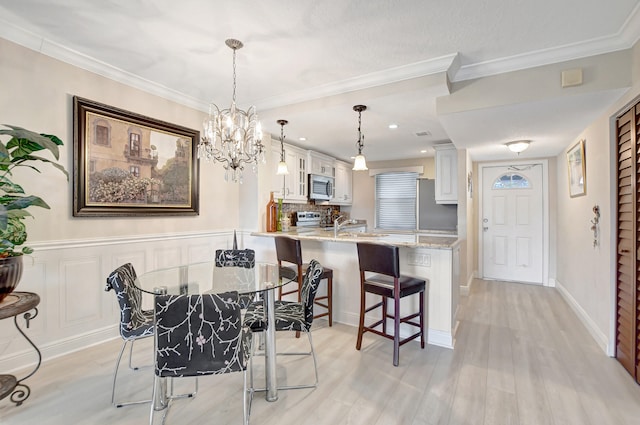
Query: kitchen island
x=433, y=256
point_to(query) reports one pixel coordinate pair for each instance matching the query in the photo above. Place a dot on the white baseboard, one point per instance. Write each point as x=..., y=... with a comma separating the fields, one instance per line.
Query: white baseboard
x=465, y=289
x=600, y=338
x=28, y=358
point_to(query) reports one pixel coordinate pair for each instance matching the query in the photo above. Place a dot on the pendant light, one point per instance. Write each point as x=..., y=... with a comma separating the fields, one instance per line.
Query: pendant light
x=360, y=163
x=282, y=165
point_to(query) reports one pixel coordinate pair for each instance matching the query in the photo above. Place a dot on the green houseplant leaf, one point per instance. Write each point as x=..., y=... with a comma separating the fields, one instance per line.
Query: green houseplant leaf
x=18, y=151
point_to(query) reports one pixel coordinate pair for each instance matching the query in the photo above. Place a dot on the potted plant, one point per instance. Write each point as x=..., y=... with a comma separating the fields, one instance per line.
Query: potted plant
x=16, y=150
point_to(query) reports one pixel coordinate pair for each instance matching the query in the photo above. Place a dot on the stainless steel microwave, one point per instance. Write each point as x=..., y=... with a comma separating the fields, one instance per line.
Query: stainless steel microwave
x=320, y=187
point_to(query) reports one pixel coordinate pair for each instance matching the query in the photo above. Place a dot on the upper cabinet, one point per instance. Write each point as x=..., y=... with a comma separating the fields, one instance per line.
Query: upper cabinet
x=320, y=164
x=343, y=186
x=293, y=186
x=446, y=174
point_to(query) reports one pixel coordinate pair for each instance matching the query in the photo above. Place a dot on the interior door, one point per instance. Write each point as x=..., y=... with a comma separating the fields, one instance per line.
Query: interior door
x=628, y=242
x=512, y=223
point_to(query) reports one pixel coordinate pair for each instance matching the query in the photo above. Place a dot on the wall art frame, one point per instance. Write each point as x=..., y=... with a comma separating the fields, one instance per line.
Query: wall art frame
x=576, y=165
x=127, y=164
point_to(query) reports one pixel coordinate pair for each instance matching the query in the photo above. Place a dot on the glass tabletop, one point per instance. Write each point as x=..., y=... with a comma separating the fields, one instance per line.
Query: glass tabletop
x=205, y=277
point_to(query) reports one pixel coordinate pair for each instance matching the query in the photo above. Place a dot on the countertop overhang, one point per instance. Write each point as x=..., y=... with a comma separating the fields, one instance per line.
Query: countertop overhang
x=427, y=239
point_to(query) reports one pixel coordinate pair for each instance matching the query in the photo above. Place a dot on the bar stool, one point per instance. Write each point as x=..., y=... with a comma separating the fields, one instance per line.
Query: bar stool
x=384, y=260
x=289, y=250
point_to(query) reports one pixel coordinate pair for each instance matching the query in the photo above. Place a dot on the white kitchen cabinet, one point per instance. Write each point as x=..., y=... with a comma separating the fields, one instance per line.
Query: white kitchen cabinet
x=293, y=186
x=321, y=164
x=343, y=189
x=446, y=174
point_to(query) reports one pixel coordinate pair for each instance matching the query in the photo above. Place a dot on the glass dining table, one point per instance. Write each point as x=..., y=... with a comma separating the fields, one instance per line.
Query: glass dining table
x=206, y=277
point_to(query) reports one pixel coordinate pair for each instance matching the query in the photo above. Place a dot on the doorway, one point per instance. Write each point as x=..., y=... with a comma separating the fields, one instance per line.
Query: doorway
x=513, y=229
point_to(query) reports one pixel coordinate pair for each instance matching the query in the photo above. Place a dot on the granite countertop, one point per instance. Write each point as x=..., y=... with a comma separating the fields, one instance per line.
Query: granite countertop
x=422, y=239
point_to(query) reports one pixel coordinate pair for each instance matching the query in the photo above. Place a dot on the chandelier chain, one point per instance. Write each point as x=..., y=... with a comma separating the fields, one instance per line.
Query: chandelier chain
x=234, y=75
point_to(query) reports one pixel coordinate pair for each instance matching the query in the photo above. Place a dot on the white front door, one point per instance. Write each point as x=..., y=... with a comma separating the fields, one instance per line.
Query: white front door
x=512, y=223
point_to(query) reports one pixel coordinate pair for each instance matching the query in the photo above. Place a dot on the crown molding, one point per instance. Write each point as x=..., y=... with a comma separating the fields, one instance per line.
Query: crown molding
x=625, y=38
x=361, y=82
x=57, y=51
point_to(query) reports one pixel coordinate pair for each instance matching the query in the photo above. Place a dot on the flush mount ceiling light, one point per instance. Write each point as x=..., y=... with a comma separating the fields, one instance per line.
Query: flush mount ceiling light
x=360, y=163
x=282, y=165
x=518, y=146
x=232, y=136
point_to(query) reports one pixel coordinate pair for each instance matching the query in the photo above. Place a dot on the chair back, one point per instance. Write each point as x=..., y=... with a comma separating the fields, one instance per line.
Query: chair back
x=309, y=288
x=236, y=258
x=288, y=250
x=383, y=259
x=133, y=322
x=199, y=335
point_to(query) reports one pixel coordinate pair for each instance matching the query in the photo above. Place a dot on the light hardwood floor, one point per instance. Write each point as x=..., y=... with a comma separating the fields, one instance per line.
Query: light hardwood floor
x=521, y=357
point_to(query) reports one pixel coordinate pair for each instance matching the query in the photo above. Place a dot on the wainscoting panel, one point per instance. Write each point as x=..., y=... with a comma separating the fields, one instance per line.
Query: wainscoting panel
x=70, y=276
x=80, y=291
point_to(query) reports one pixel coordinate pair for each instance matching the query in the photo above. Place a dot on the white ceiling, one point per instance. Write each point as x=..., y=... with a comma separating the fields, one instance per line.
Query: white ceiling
x=310, y=61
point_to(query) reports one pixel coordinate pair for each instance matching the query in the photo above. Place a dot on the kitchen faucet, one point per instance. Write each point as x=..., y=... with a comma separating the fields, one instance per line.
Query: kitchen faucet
x=337, y=225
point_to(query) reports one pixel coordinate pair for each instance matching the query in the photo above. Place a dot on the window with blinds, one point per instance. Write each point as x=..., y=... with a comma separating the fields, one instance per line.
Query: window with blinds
x=396, y=200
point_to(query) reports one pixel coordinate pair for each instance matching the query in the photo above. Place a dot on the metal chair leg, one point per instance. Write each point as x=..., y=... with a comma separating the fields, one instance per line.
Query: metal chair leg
x=115, y=376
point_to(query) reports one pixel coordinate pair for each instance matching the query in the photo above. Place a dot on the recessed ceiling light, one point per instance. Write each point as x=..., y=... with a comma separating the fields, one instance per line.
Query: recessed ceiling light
x=393, y=126
x=302, y=139
x=423, y=151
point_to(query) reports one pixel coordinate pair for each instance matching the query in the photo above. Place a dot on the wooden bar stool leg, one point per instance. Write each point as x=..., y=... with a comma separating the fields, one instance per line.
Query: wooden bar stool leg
x=330, y=298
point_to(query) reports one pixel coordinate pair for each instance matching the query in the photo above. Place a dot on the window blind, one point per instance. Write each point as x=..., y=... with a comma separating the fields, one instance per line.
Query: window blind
x=396, y=200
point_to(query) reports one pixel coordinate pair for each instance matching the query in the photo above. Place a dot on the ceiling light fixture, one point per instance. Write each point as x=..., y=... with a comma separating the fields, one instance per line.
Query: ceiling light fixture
x=282, y=165
x=518, y=146
x=232, y=136
x=360, y=163
x=393, y=126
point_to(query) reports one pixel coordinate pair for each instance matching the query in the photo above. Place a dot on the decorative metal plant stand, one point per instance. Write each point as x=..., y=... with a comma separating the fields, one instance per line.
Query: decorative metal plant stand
x=12, y=306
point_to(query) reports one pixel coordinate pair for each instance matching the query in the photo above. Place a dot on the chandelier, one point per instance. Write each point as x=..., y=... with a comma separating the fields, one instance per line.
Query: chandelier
x=232, y=136
x=360, y=163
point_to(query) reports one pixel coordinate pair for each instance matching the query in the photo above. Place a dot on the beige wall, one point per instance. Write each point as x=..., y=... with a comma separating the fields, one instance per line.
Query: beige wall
x=586, y=274
x=37, y=94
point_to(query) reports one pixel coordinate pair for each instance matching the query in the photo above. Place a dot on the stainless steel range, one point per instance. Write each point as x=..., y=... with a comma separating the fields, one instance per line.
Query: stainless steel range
x=308, y=219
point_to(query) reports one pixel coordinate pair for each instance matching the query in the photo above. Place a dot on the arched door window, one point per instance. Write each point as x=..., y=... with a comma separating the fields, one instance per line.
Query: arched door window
x=511, y=181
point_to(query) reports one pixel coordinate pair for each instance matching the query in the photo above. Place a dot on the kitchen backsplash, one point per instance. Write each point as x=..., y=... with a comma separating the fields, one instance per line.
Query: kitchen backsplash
x=328, y=213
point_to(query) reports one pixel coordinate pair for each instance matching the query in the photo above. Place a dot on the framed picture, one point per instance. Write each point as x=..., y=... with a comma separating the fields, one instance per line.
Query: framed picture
x=577, y=170
x=127, y=164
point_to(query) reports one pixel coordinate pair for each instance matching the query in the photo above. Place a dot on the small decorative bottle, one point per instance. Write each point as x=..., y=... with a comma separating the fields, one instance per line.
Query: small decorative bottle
x=279, y=219
x=272, y=213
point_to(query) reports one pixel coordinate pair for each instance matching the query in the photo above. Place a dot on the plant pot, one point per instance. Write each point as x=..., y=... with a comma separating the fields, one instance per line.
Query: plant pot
x=10, y=274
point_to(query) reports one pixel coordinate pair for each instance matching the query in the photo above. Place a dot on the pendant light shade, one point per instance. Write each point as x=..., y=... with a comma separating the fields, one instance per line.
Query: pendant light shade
x=282, y=165
x=360, y=163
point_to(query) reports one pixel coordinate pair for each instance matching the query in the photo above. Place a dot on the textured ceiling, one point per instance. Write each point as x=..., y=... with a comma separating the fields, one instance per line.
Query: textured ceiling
x=310, y=61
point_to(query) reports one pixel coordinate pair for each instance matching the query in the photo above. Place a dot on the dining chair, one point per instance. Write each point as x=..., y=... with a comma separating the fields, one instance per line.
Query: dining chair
x=135, y=323
x=291, y=316
x=289, y=250
x=237, y=258
x=387, y=282
x=198, y=335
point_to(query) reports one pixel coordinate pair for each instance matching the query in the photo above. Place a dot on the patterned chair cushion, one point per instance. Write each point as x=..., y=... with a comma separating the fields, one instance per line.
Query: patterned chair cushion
x=200, y=335
x=134, y=322
x=289, y=315
x=236, y=258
